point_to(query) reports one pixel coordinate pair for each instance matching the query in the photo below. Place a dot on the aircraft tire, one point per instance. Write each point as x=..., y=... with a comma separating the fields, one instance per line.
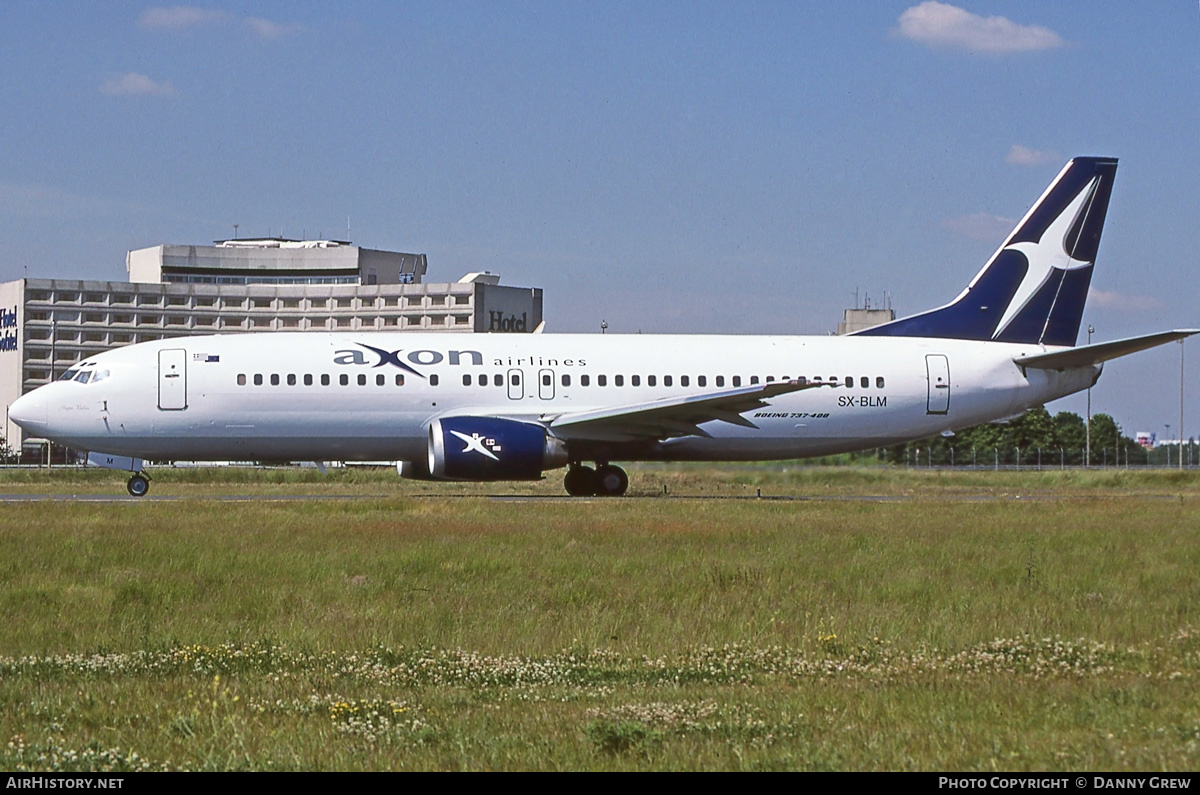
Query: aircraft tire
x=138, y=486
x=611, y=481
x=580, y=482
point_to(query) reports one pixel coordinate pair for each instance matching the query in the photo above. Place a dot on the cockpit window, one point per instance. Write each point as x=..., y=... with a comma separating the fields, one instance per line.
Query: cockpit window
x=69, y=374
x=99, y=375
x=84, y=377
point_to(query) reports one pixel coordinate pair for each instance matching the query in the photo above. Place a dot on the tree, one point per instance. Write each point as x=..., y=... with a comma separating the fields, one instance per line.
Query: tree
x=1106, y=435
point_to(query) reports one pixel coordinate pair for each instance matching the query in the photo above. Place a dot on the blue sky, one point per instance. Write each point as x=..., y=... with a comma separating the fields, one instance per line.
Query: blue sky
x=667, y=167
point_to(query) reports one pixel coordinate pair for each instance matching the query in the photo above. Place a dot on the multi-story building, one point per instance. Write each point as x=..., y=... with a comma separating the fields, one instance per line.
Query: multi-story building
x=46, y=325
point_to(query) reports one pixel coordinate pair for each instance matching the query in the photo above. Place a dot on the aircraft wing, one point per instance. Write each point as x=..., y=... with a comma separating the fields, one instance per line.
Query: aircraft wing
x=1101, y=352
x=671, y=417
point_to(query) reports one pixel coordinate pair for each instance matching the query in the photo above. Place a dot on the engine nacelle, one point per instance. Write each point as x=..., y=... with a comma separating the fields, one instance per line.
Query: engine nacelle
x=491, y=448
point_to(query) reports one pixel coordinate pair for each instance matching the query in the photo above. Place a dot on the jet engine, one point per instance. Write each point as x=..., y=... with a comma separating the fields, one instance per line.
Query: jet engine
x=491, y=448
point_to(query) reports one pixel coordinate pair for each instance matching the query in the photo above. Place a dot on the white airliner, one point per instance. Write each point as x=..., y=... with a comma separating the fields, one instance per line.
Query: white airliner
x=510, y=407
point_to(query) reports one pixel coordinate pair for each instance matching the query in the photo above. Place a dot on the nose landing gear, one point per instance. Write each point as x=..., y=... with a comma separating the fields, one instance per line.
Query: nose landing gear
x=138, y=485
x=605, y=480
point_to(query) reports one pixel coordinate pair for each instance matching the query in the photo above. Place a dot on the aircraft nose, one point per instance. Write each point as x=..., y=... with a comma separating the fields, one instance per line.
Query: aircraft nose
x=29, y=411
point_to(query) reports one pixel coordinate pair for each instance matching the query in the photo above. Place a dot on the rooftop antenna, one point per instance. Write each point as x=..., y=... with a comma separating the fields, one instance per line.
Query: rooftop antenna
x=235, y=231
x=603, y=326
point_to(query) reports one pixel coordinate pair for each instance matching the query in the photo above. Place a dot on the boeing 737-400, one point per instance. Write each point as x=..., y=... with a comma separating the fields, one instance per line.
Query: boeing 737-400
x=510, y=407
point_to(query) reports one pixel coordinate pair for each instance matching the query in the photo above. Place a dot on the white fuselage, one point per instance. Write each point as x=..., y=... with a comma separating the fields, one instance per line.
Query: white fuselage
x=337, y=396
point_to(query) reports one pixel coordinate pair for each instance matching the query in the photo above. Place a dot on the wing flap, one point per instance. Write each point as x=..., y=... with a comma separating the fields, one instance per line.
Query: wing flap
x=673, y=417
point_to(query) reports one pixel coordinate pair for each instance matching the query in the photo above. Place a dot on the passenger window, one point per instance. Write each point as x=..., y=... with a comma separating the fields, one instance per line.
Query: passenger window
x=566, y=380
x=770, y=378
x=864, y=382
x=274, y=379
x=635, y=380
x=753, y=379
x=720, y=380
x=802, y=380
x=380, y=380
x=737, y=380
x=466, y=380
x=308, y=379
x=585, y=380
x=619, y=380
x=241, y=379
x=850, y=381
x=651, y=380
x=344, y=380
x=879, y=382
x=258, y=379
x=291, y=379
x=482, y=380
x=666, y=380
x=683, y=380
x=362, y=379
x=701, y=380
x=547, y=380
x=325, y=379
x=601, y=380
x=399, y=379
x=516, y=379
x=498, y=379
x=433, y=380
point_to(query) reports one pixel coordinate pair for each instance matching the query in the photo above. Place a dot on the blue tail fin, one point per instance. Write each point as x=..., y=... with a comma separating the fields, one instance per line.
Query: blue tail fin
x=1033, y=289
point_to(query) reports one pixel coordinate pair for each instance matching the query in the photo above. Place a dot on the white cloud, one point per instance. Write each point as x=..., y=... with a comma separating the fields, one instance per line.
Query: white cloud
x=268, y=29
x=180, y=17
x=942, y=25
x=1111, y=299
x=134, y=84
x=184, y=17
x=1024, y=156
x=981, y=226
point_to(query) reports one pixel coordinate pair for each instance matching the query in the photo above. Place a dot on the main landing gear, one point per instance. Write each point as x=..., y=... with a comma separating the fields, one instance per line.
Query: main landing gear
x=138, y=485
x=605, y=480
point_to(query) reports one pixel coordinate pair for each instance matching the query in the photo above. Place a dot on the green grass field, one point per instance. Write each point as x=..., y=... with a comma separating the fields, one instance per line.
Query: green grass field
x=852, y=619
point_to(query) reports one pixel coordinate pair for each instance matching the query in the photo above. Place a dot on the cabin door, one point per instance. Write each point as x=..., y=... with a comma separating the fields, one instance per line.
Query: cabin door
x=546, y=384
x=172, y=379
x=516, y=385
x=938, y=367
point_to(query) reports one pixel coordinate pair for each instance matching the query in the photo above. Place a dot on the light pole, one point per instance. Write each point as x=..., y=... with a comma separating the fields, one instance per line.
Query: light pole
x=1088, y=428
x=1166, y=441
x=1181, y=404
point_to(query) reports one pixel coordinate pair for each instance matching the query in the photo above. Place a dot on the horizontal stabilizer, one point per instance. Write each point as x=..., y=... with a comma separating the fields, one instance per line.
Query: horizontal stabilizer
x=1101, y=352
x=672, y=417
